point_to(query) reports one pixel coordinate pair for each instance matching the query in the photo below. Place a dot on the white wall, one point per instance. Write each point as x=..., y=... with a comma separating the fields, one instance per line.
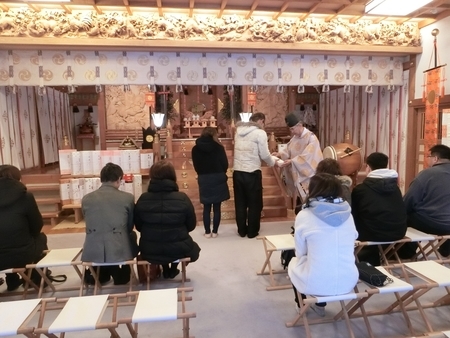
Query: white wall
x=426, y=59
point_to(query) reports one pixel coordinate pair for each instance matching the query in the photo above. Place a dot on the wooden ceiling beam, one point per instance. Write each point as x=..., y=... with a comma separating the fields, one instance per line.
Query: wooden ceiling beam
x=97, y=9
x=311, y=10
x=339, y=11
x=378, y=20
x=355, y=18
x=420, y=11
x=440, y=16
x=159, y=4
x=66, y=9
x=222, y=8
x=282, y=9
x=34, y=7
x=252, y=9
x=4, y=7
x=191, y=8
x=126, y=3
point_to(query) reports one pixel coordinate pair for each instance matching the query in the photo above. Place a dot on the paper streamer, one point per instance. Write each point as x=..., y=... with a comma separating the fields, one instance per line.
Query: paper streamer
x=41, y=88
x=301, y=86
x=11, y=72
x=152, y=86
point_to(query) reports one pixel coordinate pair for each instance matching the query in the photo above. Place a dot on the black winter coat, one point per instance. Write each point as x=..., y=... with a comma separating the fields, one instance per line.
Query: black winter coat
x=20, y=225
x=211, y=164
x=378, y=210
x=164, y=217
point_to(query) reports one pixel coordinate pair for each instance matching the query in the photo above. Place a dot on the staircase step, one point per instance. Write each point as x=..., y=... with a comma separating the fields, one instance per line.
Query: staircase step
x=40, y=187
x=48, y=200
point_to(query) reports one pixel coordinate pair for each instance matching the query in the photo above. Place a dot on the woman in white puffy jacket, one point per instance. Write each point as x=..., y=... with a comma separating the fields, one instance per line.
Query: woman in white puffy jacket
x=325, y=235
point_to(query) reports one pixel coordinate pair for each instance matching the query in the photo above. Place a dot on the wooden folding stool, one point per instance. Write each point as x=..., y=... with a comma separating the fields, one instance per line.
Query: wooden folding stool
x=159, y=305
x=427, y=244
x=55, y=258
x=184, y=262
x=15, y=316
x=79, y=314
x=431, y=275
x=396, y=287
x=94, y=268
x=271, y=244
x=386, y=253
x=25, y=274
x=305, y=304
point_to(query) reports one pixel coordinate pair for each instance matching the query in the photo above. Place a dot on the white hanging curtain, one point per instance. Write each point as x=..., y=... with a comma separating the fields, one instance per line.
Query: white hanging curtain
x=45, y=126
x=9, y=149
x=25, y=128
x=376, y=122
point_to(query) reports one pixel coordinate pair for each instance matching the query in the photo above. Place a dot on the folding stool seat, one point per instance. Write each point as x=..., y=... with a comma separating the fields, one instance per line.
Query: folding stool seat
x=305, y=304
x=271, y=244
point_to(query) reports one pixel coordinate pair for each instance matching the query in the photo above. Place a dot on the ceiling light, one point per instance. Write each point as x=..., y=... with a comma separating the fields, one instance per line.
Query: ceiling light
x=394, y=7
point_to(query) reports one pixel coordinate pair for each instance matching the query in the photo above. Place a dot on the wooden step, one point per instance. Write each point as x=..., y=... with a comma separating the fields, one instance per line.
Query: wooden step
x=40, y=187
x=48, y=200
x=40, y=179
x=52, y=215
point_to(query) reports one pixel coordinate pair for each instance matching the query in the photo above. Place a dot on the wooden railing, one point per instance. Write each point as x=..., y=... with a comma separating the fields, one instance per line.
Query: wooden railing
x=289, y=201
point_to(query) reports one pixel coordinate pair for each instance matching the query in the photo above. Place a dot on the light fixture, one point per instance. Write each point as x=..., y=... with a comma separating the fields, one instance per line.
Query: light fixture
x=210, y=91
x=158, y=119
x=245, y=117
x=185, y=91
x=75, y=109
x=90, y=109
x=394, y=7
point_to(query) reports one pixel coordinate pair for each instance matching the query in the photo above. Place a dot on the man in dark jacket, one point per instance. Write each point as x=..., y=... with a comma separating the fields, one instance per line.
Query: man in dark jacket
x=21, y=239
x=377, y=207
x=428, y=198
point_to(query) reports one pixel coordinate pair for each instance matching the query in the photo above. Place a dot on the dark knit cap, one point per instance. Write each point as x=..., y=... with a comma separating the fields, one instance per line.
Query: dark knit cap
x=292, y=119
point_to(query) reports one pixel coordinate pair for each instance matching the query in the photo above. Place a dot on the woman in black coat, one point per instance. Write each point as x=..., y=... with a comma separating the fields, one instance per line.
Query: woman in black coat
x=211, y=164
x=164, y=216
x=21, y=240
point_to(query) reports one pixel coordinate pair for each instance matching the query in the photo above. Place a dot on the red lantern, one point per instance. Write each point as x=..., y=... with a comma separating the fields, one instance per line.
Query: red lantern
x=251, y=98
x=150, y=99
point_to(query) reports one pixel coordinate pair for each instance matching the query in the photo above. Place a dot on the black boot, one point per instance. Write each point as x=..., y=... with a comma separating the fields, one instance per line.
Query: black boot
x=166, y=271
x=174, y=271
x=13, y=281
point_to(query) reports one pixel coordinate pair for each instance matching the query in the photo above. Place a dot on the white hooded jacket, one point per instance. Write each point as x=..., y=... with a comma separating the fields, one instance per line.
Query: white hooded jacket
x=250, y=147
x=325, y=236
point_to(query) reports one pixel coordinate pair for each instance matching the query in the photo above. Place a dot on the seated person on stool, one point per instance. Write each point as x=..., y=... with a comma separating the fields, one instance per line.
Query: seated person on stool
x=428, y=199
x=324, y=243
x=164, y=216
x=110, y=238
x=21, y=239
x=378, y=208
